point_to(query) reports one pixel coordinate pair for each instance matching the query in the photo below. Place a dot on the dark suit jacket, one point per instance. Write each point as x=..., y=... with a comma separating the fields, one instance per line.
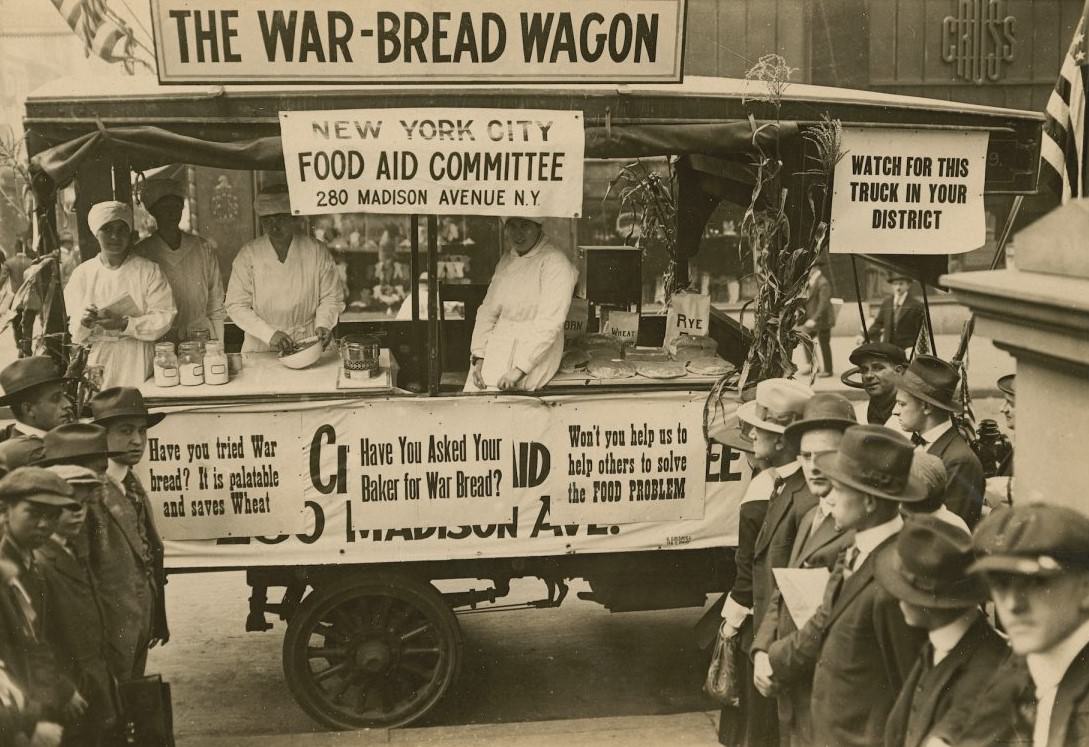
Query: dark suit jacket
x=964, y=486
x=817, y=551
x=76, y=630
x=775, y=540
x=865, y=656
x=818, y=304
x=131, y=591
x=904, y=329
x=928, y=705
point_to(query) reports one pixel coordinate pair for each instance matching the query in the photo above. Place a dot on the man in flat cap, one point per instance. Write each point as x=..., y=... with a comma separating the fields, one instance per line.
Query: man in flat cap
x=31, y=500
x=34, y=389
x=1035, y=561
x=900, y=316
x=817, y=543
x=284, y=285
x=778, y=403
x=925, y=403
x=188, y=261
x=927, y=570
x=857, y=641
x=118, y=303
x=879, y=364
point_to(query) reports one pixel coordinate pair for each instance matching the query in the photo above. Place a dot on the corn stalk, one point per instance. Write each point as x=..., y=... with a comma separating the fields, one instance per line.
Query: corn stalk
x=650, y=199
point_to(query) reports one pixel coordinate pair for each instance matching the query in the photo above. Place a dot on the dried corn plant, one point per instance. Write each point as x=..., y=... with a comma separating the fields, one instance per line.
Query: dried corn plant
x=649, y=197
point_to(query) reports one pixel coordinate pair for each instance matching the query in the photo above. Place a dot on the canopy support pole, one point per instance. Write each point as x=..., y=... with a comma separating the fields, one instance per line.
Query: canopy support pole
x=929, y=323
x=1003, y=240
x=414, y=265
x=858, y=299
x=434, y=329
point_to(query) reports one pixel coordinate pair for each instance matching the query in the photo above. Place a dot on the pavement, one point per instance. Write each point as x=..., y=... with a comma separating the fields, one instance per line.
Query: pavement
x=697, y=728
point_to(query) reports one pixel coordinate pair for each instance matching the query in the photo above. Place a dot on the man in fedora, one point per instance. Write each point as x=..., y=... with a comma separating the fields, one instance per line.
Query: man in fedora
x=927, y=570
x=817, y=543
x=1033, y=560
x=34, y=390
x=879, y=364
x=81, y=444
x=925, y=403
x=900, y=316
x=126, y=553
x=778, y=403
x=860, y=645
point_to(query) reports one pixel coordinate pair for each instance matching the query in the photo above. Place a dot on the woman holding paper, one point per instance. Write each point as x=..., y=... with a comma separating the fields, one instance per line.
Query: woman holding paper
x=118, y=303
x=518, y=337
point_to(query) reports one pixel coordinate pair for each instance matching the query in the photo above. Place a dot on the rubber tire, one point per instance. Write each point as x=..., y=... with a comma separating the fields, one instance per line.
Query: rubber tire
x=420, y=594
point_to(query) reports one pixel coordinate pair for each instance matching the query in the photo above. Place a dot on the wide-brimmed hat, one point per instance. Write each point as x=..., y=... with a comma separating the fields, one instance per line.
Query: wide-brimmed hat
x=778, y=403
x=121, y=402
x=824, y=410
x=875, y=460
x=37, y=485
x=19, y=451
x=897, y=275
x=73, y=442
x=1038, y=539
x=272, y=202
x=27, y=373
x=1008, y=385
x=928, y=565
x=880, y=351
x=931, y=380
x=158, y=187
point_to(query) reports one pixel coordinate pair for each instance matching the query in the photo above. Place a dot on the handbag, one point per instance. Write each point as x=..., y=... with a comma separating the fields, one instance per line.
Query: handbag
x=721, y=683
x=147, y=713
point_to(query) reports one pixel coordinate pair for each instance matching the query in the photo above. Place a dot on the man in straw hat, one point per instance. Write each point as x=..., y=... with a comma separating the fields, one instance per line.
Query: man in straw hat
x=126, y=552
x=284, y=286
x=861, y=646
x=188, y=261
x=518, y=335
x=925, y=403
x=900, y=316
x=927, y=570
x=35, y=391
x=817, y=543
x=781, y=502
x=1035, y=561
x=118, y=303
x=76, y=629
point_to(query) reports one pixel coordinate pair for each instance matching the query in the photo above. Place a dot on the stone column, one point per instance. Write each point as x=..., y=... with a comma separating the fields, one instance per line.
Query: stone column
x=1039, y=313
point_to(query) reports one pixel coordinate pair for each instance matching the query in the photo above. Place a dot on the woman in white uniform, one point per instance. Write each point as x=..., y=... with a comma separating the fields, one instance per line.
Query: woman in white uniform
x=284, y=286
x=118, y=303
x=518, y=338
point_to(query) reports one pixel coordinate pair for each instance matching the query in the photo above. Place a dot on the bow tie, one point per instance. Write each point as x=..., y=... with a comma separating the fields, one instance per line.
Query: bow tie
x=918, y=440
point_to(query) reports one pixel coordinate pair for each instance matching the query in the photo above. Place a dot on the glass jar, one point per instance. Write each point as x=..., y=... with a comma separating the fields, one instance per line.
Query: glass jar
x=215, y=363
x=191, y=363
x=165, y=364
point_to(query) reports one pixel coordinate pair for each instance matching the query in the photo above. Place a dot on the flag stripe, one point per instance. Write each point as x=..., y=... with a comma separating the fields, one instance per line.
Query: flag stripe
x=1063, y=152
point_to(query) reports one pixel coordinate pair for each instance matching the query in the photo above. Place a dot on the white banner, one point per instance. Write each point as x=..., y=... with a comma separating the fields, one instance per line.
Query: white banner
x=445, y=161
x=421, y=41
x=909, y=192
x=461, y=477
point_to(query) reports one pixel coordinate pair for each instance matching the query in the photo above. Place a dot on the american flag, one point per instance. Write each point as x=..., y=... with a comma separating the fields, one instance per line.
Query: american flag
x=1064, y=154
x=102, y=32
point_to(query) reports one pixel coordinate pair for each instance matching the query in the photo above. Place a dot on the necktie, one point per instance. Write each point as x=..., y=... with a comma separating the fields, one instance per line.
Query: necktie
x=852, y=558
x=918, y=440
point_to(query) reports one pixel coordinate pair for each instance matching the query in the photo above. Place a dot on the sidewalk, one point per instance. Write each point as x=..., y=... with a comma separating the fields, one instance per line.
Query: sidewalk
x=678, y=729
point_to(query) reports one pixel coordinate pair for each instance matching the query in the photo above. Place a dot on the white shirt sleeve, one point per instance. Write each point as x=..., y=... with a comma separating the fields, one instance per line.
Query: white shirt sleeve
x=159, y=309
x=239, y=301
x=488, y=313
x=330, y=295
x=75, y=303
x=558, y=279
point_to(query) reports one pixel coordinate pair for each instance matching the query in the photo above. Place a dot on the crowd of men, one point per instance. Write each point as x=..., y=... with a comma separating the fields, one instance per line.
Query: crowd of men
x=944, y=620
x=81, y=565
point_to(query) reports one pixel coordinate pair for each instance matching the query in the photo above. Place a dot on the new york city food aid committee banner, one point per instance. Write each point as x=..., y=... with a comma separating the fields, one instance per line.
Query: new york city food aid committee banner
x=435, y=160
x=374, y=41
x=456, y=477
x=909, y=192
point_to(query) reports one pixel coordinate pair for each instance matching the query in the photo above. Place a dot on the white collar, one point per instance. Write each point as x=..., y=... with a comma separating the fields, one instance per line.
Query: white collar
x=760, y=487
x=118, y=472
x=29, y=430
x=867, y=540
x=532, y=251
x=946, y=638
x=788, y=469
x=824, y=506
x=936, y=432
x=1049, y=667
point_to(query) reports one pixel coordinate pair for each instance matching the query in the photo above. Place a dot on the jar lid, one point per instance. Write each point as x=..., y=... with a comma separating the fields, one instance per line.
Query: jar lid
x=162, y=347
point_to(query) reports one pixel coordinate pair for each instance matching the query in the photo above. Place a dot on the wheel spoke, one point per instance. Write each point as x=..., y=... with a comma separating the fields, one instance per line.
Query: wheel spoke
x=343, y=620
x=415, y=632
x=326, y=652
x=340, y=690
x=331, y=671
x=420, y=650
x=328, y=631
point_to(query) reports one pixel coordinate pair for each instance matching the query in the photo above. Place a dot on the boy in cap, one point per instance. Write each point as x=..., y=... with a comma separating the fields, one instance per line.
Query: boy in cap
x=188, y=261
x=284, y=285
x=34, y=390
x=927, y=570
x=76, y=629
x=126, y=554
x=817, y=544
x=925, y=403
x=118, y=303
x=782, y=500
x=857, y=640
x=31, y=500
x=879, y=364
x=900, y=316
x=1035, y=561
